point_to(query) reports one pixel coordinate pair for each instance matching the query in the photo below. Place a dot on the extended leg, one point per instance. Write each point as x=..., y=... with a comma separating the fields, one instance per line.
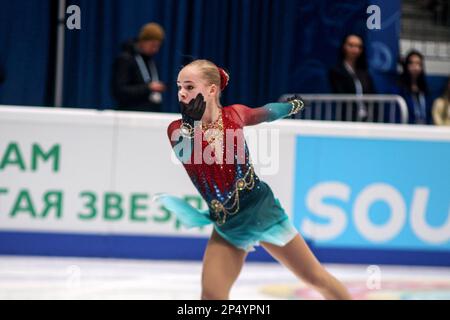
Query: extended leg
x=297, y=257
x=222, y=264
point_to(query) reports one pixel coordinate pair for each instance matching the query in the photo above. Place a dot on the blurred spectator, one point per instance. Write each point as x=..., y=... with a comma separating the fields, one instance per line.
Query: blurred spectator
x=413, y=88
x=350, y=75
x=441, y=108
x=135, y=84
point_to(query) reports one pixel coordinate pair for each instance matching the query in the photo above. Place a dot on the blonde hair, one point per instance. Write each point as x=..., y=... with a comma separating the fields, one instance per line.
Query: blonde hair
x=210, y=73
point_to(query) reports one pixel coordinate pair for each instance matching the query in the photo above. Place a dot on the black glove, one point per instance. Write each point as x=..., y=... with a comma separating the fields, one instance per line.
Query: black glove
x=194, y=109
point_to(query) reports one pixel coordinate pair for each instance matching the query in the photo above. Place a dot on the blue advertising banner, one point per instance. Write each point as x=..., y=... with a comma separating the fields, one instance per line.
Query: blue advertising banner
x=380, y=194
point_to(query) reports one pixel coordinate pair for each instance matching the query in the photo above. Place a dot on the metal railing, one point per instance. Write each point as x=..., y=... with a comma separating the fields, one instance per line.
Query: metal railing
x=439, y=51
x=343, y=107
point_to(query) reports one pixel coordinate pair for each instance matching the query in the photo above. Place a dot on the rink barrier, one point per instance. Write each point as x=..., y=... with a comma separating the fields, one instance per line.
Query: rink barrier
x=80, y=183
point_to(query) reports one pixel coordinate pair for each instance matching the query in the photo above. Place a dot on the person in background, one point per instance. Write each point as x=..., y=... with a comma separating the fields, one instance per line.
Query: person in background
x=441, y=108
x=136, y=85
x=413, y=88
x=350, y=75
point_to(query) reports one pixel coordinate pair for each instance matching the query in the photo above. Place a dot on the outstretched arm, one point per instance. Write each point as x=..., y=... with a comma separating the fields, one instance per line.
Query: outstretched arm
x=269, y=112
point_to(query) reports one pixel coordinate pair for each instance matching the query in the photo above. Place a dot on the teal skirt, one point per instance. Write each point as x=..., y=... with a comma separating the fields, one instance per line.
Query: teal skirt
x=260, y=219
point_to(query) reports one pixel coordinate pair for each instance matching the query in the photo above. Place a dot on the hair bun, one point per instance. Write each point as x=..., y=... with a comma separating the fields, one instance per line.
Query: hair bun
x=224, y=78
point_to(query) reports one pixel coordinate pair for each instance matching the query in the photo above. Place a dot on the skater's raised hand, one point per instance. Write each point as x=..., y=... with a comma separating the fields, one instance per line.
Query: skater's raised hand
x=195, y=108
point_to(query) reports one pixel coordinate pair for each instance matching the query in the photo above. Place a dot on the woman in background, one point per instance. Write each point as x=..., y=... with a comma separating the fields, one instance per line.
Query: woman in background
x=413, y=88
x=350, y=75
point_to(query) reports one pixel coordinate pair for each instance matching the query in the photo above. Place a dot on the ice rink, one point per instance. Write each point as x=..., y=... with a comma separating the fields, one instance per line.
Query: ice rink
x=104, y=279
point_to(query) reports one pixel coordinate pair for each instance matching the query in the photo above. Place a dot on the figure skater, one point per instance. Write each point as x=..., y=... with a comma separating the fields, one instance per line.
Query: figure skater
x=209, y=141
